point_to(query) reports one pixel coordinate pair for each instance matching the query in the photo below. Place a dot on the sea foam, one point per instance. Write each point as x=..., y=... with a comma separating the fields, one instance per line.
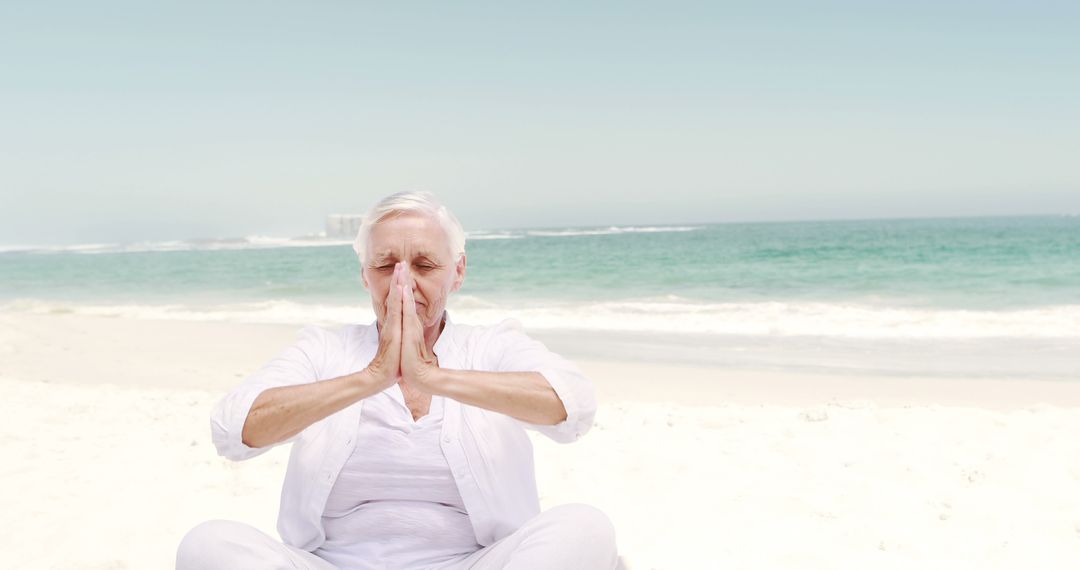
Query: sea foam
x=764, y=319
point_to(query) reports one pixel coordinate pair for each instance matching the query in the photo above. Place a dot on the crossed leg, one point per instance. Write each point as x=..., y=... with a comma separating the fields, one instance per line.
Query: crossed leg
x=228, y=545
x=573, y=536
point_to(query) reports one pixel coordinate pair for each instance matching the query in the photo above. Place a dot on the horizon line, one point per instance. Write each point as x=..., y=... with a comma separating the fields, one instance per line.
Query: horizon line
x=321, y=234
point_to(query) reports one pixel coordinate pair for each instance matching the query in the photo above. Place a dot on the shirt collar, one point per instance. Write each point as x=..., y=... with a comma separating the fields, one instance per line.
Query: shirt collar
x=439, y=348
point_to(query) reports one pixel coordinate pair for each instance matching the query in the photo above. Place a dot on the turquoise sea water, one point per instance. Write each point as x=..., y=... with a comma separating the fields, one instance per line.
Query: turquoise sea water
x=976, y=263
x=913, y=280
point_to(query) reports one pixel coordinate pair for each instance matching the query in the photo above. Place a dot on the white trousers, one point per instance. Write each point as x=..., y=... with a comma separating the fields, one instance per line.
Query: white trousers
x=569, y=536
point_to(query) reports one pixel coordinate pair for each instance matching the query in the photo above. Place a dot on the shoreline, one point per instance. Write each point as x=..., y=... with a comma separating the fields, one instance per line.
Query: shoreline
x=205, y=355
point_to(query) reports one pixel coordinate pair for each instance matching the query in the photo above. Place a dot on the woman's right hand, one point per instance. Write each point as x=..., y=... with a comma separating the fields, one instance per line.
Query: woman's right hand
x=385, y=368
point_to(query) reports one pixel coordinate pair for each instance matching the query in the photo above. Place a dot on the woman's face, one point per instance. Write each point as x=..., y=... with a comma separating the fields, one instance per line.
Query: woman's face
x=422, y=243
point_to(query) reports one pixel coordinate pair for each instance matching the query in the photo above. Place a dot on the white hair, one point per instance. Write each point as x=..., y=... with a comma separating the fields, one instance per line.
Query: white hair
x=421, y=202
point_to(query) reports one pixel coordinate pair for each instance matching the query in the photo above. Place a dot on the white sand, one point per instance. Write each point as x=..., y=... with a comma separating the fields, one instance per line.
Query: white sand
x=104, y=424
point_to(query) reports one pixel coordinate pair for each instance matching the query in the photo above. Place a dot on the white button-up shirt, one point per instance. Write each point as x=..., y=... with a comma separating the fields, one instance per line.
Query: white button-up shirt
x=489, y=453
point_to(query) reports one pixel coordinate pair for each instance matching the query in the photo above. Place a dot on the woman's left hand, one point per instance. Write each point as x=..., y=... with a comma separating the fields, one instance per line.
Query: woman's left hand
x=419, y=366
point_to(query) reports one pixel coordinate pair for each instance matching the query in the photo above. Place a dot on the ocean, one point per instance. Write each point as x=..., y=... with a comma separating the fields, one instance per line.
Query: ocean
x=993, y=297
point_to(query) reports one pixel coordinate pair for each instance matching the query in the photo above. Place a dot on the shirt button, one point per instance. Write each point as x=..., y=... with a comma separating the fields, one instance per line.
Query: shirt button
x=446, y=439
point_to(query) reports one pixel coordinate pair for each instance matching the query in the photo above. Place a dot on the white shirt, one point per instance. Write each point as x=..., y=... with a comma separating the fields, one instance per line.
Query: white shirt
x=395, y=503
x=489, y=453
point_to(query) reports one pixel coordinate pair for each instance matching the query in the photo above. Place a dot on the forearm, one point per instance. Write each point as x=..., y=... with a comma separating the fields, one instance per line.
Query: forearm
x=284, y=411
x=526, y=396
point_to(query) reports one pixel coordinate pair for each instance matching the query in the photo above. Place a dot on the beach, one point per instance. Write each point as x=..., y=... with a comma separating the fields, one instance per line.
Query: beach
x=106, y=424
x=821, y=265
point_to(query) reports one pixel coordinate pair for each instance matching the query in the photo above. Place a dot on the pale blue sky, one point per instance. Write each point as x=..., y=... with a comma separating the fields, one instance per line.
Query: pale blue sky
x=125, y=121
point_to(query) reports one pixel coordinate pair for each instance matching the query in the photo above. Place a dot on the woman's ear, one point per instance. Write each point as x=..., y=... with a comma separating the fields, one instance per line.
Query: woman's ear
x=459, y=274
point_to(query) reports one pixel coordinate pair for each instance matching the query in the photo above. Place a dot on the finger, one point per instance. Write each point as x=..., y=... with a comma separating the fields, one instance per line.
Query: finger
x=407, y=277
x=406, y=311
x=394, y=279
x=399, y=273
x=411, y=326
x=396, y=308
x=416, y=329
x=393, y=301
x=408, y=300
x=388, y=302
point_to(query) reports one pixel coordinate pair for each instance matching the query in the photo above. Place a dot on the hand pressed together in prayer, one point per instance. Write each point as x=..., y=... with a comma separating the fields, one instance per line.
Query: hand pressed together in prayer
x=403, y=352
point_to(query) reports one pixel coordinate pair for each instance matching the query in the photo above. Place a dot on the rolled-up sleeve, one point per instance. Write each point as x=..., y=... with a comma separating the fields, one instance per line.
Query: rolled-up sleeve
x=298, y=364
x=511, y=350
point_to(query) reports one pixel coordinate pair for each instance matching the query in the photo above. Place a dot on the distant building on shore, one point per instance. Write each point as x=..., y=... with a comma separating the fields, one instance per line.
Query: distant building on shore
x=343, y=225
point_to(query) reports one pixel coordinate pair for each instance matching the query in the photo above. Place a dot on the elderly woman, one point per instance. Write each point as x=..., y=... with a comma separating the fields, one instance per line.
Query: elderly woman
x=409, y=444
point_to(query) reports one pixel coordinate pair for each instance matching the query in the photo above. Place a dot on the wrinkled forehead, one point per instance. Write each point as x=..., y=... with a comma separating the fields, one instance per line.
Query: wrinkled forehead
x=408, y=236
